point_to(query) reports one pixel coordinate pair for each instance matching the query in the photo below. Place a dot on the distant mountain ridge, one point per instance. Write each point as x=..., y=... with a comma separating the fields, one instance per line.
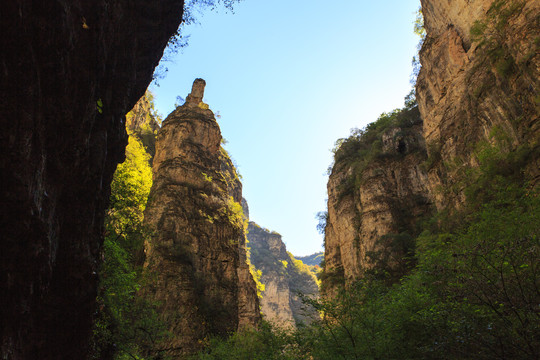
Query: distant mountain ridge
x=313, y=259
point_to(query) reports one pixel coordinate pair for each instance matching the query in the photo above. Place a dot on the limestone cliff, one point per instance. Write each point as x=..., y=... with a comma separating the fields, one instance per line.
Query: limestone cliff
x=376, y=192
x=478, y=87
x=196, y=260
x=283, y=277
x=143, y=123
x=480, y=75
x=70, y=71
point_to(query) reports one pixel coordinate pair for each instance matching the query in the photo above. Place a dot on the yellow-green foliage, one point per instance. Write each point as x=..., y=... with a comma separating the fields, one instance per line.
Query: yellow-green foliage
x=302, y=268
x=234, y=212
x=257, y=278
x=126, y=324
x=148, y=122
x=129, y=192
x=206, y=177
x=233, y=175
x=256, y=274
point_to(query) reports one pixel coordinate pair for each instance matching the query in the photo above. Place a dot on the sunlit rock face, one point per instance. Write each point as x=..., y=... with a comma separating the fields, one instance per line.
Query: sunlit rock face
x=474, y=87
x=196, y=260
x=70, y=71
x=283, y=280
x=468, y=88
x=143, y=123
x=268, y=254
x=391, y=195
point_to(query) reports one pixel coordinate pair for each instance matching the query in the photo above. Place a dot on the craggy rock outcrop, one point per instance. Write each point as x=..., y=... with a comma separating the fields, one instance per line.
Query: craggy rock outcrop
x=283, y=277
x=70, y=71
x=143, y=123
x=372, y=206
x=478, y=87
x=473, y=83
x=269, y=255
x=196, y=260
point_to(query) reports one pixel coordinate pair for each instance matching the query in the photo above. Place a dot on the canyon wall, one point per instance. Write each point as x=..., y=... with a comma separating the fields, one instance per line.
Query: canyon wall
x=70, y=71
x=143, y=122
x=196, y=259
x=375, y=201
x=477, y=89
x=283, y=277
x=479, y=80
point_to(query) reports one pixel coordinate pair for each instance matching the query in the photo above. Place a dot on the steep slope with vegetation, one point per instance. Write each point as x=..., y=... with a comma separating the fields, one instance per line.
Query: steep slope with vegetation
x=126, y=324
x=195, y=259
x=283, y=278
x=465, y=279
x=143, y=122
x=478, y=85
x=376, y=195
x=71, y=70
x=313, y=259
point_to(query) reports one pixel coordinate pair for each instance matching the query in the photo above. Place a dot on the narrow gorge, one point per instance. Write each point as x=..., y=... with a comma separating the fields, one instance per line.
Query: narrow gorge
x=284, y=277
x=125, y=236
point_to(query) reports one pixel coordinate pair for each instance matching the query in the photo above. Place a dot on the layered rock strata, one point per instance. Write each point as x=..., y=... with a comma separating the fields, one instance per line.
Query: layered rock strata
x=70, y=71
x=478, y=87
x=480, y=75
x=283, y=277
x=196, y=259
x=384, y=198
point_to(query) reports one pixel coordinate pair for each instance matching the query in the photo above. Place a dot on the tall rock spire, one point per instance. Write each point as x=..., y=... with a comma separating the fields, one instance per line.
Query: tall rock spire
x=197, y=93
x=196, y=258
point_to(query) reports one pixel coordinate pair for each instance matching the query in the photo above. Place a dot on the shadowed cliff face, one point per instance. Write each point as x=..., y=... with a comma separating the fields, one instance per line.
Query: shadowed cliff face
x=70, y=71
x=196, y=260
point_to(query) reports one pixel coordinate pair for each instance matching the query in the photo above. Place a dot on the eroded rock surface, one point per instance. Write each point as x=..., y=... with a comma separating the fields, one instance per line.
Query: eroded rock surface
x=70, y=71
x=470, y=87
x=478, y=87
x=385, y=198
x=283, y=277
x=196, y=260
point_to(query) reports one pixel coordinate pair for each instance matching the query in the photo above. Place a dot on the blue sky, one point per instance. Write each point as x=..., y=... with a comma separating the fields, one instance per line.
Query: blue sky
x=290, y=77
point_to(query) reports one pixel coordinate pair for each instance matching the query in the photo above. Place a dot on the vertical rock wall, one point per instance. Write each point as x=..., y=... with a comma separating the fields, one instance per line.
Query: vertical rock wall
x=479, y=81
x=70, y=71
x=471, y=85
x=385, y=198
x=195, y=261
x=269, y=255
x=283, y=278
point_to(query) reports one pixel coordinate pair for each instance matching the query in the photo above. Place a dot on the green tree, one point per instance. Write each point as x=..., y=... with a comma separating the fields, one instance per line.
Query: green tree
x=127, y=325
